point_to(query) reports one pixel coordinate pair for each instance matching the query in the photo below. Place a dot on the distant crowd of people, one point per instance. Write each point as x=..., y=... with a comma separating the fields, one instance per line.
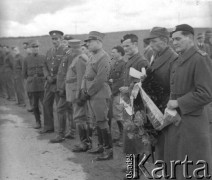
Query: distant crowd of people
x=87, y=83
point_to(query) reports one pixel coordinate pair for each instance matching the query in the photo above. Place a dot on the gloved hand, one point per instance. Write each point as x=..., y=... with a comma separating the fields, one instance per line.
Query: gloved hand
x=50, y=79
x=62, y=93
x=83, y=97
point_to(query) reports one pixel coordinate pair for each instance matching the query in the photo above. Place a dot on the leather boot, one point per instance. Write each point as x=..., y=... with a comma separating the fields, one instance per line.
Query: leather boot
x=85, y=143
x=37, y=126
x=106, y=155
x=98, y=149
x=57, y=139
x=108, y=146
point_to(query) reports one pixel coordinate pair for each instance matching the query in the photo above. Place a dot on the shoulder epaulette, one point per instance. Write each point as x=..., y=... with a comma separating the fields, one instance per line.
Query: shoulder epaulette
x=203, y=53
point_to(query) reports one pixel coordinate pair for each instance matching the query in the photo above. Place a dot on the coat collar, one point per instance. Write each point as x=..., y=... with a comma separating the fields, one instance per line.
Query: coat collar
x=132, y=59
x=163, y=58
x=185, y=56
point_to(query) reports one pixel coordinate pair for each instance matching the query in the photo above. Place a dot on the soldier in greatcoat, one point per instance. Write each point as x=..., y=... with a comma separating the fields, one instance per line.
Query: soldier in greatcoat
x=74, y=79
x=27, y=51
x=191, y=91
x=8, y=80
x=51, y=64
x=33, y=73
x=18, y=77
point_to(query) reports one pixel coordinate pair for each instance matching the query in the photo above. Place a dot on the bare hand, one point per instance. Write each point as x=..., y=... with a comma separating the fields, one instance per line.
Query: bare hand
x=172, y=104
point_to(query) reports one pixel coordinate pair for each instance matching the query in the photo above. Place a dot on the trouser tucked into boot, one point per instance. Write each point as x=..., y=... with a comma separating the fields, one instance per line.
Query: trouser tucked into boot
x=85, y=141
x=108, y=145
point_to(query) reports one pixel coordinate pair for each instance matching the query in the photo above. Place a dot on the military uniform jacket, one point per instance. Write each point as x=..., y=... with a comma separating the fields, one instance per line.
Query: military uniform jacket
x=33, y=72
x=137, y=61
x=97, y=74
x=61, y=75
x=8, y=63
x=191, y=86
x=1, y=61
x=74, y=77
x=51, y=65
x=116, y=74
x=204, y=47
x=18, y=65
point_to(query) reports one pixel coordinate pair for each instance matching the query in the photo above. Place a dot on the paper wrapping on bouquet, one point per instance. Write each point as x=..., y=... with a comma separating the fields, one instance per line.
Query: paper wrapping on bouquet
x=156, y=117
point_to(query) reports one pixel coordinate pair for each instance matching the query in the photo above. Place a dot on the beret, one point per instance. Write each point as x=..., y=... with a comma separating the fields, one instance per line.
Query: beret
x=183, y=27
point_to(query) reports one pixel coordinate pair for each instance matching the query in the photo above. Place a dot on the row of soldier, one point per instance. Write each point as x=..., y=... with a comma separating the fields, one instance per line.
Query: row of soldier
x=87, y=85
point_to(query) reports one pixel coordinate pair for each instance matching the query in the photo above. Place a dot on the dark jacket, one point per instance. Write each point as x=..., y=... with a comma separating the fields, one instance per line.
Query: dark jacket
x=137, y=61
x=116, y=74
x=33, y=72
x=157, y=83
x=51, y=65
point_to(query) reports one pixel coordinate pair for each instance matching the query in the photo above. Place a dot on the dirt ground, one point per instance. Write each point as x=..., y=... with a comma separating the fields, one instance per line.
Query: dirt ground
x=27, y=155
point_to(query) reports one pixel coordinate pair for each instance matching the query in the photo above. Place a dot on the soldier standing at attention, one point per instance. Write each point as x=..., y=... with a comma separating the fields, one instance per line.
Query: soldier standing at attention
x=18, y=76
x=74, y=79
x=97, y=90
x=8, y=74
x=117, y=81
x=2, y=88
x=64, y=108
x=51, y=65
x=27, y=51
x=33, y=72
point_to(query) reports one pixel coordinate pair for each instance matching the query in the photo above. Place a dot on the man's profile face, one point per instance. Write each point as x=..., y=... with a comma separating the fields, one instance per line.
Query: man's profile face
x=180, y=42
x=115, y=54
x=56, y=41
x=35, y=49
x=93, y=45
x=157, y=44
x=129, y=47
x=201, y=39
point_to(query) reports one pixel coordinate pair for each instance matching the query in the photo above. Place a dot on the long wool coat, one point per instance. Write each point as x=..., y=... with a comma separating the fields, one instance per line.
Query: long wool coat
x=191, y=77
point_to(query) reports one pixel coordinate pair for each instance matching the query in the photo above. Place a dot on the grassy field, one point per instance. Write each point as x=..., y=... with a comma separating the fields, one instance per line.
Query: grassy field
x=111, y=39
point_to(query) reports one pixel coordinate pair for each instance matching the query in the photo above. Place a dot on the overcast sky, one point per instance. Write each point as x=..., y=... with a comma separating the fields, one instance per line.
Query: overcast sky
x=38, y=17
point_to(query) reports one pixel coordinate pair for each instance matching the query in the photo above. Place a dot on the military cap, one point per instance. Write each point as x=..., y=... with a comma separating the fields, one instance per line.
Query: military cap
x=200, y=35
x=56, y=33
x=183, y=27
x=95, y=35
x=208, y=33
x=68, y=37
x=158, y=32
x=74, y=43
x=34, y=43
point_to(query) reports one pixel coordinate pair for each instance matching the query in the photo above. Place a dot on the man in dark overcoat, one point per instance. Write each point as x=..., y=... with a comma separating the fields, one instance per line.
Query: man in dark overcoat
x=159, y=73
x=191, y=91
